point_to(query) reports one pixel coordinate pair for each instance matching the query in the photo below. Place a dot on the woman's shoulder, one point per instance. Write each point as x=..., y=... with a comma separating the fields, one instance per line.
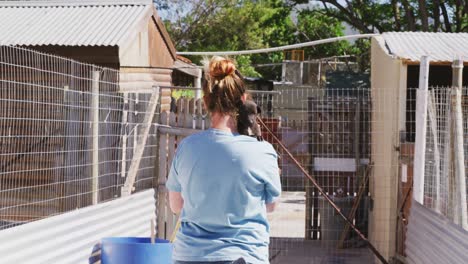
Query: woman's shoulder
x=193, y=138
x=255, y=144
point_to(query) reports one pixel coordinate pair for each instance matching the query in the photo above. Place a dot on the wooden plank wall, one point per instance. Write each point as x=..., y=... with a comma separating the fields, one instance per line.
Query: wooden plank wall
x=405, y=194
x=189, y=118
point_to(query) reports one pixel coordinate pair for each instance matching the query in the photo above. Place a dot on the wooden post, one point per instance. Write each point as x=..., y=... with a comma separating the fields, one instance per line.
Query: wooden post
x=421, y=122
x=65, y=116
x=141, y=143
x=319, y=73
x=95, y=137
x=162, y=173
x=458, y=151
x=283, y=72
x=124, y=136
x=172, y=141
x=447, y=170
x=432, y=115
x=357, y=156
x=301, y=72
x=308, y=214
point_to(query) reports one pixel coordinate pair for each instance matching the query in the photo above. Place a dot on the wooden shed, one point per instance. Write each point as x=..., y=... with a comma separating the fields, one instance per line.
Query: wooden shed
x=124, y=35
x=395, y=75
x=127, y=35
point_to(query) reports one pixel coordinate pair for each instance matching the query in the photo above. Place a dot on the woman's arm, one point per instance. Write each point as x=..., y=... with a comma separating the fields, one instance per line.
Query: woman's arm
x=176, y=202
x=271, y=207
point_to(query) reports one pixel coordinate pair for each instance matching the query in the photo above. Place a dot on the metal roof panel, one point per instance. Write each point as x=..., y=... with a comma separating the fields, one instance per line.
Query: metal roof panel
x=70, y=25
x=440, y=47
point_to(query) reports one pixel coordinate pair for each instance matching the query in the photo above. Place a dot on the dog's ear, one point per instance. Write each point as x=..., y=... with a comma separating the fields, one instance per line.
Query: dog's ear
x=251, y=107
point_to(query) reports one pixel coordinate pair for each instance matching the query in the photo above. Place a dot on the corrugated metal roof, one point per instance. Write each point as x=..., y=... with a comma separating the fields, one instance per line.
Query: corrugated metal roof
x=71, y=25
x=188, y=68
x=432, y=238
x=73, y=2
x=70, y=237
x=440, y=47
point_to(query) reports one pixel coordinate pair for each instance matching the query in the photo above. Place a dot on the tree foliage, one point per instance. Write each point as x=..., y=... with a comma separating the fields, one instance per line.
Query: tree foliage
x=216, y=25
x=369, y=16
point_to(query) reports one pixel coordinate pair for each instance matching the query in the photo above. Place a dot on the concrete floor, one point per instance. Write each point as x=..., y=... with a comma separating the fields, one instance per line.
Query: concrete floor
x=288, y=220
x=312, y=252
x=287, y=244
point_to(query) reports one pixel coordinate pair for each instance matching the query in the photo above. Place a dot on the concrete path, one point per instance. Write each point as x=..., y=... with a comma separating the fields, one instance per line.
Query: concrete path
x=287, y=245
x=288, y=220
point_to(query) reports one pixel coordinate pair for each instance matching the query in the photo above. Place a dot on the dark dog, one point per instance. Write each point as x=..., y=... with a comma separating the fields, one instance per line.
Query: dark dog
x=247, y=120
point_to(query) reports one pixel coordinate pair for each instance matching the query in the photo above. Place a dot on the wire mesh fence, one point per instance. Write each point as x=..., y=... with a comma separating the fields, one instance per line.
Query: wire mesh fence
x=328, y=132
x=442, y=188
x=67, y=136
x=346, y=139
x=68, y=139
x=342, y=137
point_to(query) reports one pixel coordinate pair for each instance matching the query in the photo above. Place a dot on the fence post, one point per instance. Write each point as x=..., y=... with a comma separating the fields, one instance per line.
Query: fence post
x=283, y=72
x=95, y=136
x=198, y=84
x=432, y=118
x=141, y=143
x=421, y=123
x=458, y=150
x=301, y=72
x=124, y=136
x=162, y=174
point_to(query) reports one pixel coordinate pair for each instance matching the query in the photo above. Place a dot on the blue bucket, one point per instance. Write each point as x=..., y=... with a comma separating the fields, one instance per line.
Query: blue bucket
x=125, y=250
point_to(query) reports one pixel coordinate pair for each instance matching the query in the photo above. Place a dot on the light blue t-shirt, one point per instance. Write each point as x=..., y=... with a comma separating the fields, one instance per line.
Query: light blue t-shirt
x=225, y=180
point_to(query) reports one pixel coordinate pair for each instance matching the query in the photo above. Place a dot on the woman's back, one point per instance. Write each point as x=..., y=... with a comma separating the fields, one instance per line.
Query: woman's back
x=225, y=180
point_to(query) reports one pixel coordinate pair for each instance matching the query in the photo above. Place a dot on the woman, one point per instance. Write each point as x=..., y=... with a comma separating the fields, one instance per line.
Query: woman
x=223, y=183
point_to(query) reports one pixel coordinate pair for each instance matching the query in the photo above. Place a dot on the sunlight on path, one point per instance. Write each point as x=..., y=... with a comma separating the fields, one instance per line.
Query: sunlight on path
x=288, y=220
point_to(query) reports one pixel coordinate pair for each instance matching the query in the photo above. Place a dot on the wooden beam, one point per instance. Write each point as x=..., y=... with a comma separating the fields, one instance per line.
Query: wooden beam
x=95, y=137
x=162, y=173
x=141, y=143
x=458, y=150
x=432, y=116
x=165, y=35
x=184, y=132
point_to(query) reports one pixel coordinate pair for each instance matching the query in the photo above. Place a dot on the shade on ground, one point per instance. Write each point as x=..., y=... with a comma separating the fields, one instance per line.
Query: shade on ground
x=287, y=245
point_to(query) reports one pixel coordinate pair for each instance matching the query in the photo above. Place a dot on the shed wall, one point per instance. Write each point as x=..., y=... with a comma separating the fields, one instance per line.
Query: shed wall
x=136, y=53
x=105, y=56
x=147, y=62
x=159, y=55
x=385, y=82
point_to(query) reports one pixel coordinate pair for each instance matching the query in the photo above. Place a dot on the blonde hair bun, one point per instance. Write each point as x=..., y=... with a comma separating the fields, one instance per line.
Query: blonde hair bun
x=224, y=86
x=220, y=67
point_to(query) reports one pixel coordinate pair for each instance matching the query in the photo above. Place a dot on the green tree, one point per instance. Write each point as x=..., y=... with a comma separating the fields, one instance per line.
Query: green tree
x=216, y=25
x=313, y=24
x=369, y=16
